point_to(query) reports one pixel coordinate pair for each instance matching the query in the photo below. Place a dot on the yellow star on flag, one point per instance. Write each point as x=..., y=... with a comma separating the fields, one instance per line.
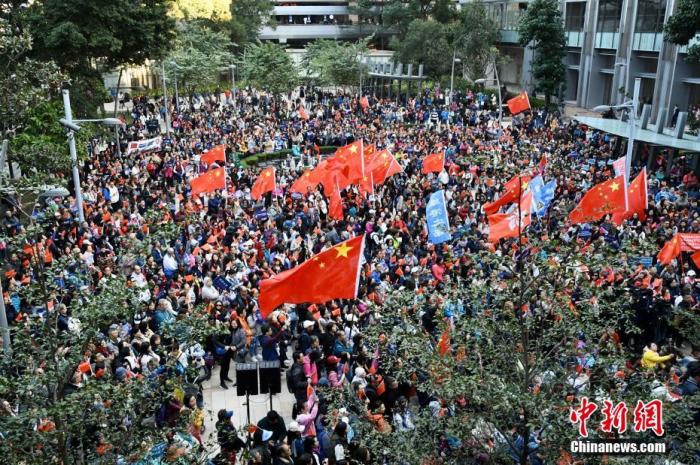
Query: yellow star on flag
x=614, y=186
x=343, y=250
x=353, y=149
x=322, y=265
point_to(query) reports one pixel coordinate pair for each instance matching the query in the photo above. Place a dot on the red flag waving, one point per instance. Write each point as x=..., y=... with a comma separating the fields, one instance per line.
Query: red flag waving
x=513, y=188
x=433, y=163
x=304, y=183
x=696, y=259
x=519, y=104
x=443, y=345
x=600, y=200
x=670, y=250
x=217, y=153
x=264, y=183
x=637, y=200
x=332, y=274
x=302, y=113
x=381, y=167
x=335, y=206
x=503, y=225
x=209, y=181
x=349, y=159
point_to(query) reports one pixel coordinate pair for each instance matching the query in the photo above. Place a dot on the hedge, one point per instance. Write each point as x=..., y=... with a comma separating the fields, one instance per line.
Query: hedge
x=252, y=160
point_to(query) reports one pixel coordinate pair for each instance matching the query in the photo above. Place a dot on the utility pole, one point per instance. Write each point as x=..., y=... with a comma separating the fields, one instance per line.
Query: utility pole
x=165, y=101
x=4, y=327
x=73, y=156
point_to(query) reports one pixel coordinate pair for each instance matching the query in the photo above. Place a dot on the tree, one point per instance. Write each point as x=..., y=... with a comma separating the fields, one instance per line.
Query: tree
x=401, y=13
x=475, y=44
x=103, y=420
x=541, y=28
x=247, y=18
x=82, y=35
x=199, y=55
x=218, y=10
x=683, y=25
x=412, y=48
x=335, y=63
x=267, y=65
x=497, y=354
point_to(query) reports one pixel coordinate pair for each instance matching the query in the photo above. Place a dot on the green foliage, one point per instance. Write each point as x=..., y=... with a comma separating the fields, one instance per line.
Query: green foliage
x=24, y=82
x=512, y=353
x=335, y=63
x=199, y=55
x=475, y=45
x=541, y=28
x=267, y=65
x=218, y=10
x=412, y=48
x=401, y=14
x=247, y=18
x=44, y=359
x=683, y=25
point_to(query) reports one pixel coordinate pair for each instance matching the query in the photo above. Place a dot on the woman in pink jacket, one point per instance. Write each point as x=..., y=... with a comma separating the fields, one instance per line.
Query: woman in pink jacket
x=336, y=378
x=307, y=416
x=310, y=368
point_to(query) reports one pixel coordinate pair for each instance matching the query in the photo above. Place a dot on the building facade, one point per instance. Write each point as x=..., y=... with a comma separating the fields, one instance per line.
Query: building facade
x=301, y=21
x=610, y=43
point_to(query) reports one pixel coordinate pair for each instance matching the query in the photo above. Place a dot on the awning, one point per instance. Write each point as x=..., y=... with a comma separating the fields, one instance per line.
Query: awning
x=620, y=128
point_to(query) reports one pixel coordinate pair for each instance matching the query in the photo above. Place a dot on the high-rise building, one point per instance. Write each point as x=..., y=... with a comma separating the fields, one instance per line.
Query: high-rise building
x=610, y=43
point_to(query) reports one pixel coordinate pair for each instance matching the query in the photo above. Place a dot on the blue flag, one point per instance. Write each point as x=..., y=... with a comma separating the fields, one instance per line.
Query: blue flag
x=542, y=194
x=436, y=216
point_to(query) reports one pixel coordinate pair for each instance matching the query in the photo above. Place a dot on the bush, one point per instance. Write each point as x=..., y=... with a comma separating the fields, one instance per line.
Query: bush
x=252, y=160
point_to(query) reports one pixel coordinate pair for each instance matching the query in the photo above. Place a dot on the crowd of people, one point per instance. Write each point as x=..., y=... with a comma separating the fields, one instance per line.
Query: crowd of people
x=225, y=243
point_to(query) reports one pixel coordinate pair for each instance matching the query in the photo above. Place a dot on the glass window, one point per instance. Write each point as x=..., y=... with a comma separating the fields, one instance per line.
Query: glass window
x=650, y=15
x=609, y=15
x=575, y=12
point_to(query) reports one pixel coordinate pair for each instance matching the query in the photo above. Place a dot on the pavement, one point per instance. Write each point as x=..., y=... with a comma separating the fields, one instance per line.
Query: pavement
x=216, y=398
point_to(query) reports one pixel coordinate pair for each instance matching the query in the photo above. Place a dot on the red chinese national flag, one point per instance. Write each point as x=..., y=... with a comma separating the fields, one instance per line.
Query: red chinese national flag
x=217, y=153
x=513, y=189
x=349, y=160
x=502, y=225
x=637, y=200
x=209, y=181
x=302, y=113
x=602, y=199
x=304, y=183
x=381, y=167
x=433, y=163
x=670, y=250
x=335, y=205
x=696, y=259
x=332, y=274
x=264, y=183
x=519, y=104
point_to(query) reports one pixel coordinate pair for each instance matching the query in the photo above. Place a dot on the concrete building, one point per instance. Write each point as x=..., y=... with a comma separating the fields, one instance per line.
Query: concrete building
x=609, y=44
x=301, y=21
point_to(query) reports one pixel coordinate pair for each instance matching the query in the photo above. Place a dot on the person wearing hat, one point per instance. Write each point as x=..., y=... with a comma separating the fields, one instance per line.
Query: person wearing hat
x=305, y=338
x=273, y=423
x=294, y=438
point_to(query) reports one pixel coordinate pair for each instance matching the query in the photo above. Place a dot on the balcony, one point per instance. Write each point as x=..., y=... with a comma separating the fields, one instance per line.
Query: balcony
x=647, y=41
x=574, y=38
x=284, y=32
x=609, y=40
x=314, y=10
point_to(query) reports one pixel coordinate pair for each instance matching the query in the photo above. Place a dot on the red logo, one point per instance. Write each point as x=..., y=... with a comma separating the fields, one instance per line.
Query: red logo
x=647, y=416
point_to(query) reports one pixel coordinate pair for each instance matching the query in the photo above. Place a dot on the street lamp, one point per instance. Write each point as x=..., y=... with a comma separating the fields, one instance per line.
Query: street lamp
x=232, y=68
x=631, y=107
x=177, y=95
x=69, y=123
x=165, y=100
x=452, y=75
x=500, y=97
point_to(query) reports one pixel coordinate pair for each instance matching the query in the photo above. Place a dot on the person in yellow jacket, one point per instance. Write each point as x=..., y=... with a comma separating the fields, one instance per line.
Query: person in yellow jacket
x=651, y=358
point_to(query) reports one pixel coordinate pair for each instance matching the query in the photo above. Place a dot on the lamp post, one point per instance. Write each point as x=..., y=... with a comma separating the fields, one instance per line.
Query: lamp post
x=69, y=123
x=232, y=68
x=631, y=107
x=500, y=97
x=177, y=95
x=165, y=100
x=452, y=75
